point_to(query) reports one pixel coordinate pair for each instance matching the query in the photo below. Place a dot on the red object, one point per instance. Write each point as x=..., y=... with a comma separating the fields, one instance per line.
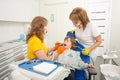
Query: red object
x=60, y=49
x=57, y=44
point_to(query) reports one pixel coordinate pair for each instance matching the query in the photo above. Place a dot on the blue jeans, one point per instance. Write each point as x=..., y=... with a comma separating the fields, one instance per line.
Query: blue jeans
x=71, y=76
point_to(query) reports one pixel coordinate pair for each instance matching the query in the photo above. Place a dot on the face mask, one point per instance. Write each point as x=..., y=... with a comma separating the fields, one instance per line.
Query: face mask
x=79, y=25
x=45, y=30
x=45, y=35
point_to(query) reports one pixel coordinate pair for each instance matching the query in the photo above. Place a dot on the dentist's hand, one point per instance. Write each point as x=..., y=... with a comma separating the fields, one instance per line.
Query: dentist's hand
x=57, y=44
x=60, y=49
x=85, y=51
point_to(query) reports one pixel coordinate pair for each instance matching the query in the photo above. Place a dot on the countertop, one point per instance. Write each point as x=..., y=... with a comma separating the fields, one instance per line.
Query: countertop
x=10, y=44
x=117, y=60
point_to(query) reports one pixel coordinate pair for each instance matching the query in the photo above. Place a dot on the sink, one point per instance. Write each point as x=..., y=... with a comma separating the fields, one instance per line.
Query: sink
x=110, y=71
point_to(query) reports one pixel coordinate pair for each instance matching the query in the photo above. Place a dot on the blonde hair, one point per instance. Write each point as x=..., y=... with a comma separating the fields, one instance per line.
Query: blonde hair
x=37, y=28
x=79, y=14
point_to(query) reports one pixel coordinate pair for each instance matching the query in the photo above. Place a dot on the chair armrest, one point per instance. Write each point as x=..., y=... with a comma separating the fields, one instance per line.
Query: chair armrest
x=92, y=71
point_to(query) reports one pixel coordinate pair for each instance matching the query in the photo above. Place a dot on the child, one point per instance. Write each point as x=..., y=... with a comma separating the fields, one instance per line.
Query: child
x=71, y=58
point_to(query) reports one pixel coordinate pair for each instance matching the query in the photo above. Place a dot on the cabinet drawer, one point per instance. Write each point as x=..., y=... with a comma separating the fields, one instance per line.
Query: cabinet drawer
x=4, y=53
x=6, y=62
x=17, y=48
x=9, y=55
x=4, y=75
x=6, y=57
x=4, y=68
x=4, y=72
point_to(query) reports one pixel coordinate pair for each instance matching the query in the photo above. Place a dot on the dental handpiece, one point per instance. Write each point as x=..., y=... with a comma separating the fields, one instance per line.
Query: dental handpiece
x=62, y=44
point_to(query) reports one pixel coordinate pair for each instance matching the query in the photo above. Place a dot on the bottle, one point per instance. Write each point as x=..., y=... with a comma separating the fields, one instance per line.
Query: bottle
x=22, y=37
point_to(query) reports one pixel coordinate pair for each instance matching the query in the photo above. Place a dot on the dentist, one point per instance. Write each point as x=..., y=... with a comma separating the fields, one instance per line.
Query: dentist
x=86, y=33
x=36, y=47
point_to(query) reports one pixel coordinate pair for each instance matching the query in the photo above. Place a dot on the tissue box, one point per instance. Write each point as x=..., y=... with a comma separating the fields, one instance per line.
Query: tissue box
x=44, y=67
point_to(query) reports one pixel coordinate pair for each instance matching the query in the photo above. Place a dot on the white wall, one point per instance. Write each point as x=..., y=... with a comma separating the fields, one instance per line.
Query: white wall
x=115, y=29
x=15, y=16
x=18, y=10
x=11, y=30
x=57, y=12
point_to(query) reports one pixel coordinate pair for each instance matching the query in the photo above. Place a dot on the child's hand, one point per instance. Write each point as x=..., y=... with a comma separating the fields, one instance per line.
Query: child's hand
x=91, y=66
x=60, y=49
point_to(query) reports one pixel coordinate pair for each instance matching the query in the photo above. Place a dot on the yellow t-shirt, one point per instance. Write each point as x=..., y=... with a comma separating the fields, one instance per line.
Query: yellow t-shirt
x=34, y=44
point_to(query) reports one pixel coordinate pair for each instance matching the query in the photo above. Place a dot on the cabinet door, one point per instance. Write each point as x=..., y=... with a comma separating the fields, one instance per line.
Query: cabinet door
x=18, y=10
x=99, y=12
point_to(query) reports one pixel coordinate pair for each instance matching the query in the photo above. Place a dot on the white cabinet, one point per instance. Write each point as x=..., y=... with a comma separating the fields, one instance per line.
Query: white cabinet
x=10, y=52
x=99, y=12
x=18, y=10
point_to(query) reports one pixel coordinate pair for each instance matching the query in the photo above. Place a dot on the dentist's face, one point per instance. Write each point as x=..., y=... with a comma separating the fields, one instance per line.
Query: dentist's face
x=77, y=24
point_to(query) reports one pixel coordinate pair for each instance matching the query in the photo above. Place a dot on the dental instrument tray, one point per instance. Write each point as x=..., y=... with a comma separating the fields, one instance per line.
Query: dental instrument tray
x=43, y=67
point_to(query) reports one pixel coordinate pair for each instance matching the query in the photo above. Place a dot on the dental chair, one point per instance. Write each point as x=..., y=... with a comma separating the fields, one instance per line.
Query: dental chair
x=81, y=74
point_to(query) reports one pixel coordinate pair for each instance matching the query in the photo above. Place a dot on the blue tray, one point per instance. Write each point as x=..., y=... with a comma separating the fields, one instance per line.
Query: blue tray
x=28, y=65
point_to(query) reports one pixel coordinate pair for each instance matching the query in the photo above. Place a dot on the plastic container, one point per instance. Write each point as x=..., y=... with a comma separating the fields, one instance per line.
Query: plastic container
x=110, y=72
x=22, y=37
